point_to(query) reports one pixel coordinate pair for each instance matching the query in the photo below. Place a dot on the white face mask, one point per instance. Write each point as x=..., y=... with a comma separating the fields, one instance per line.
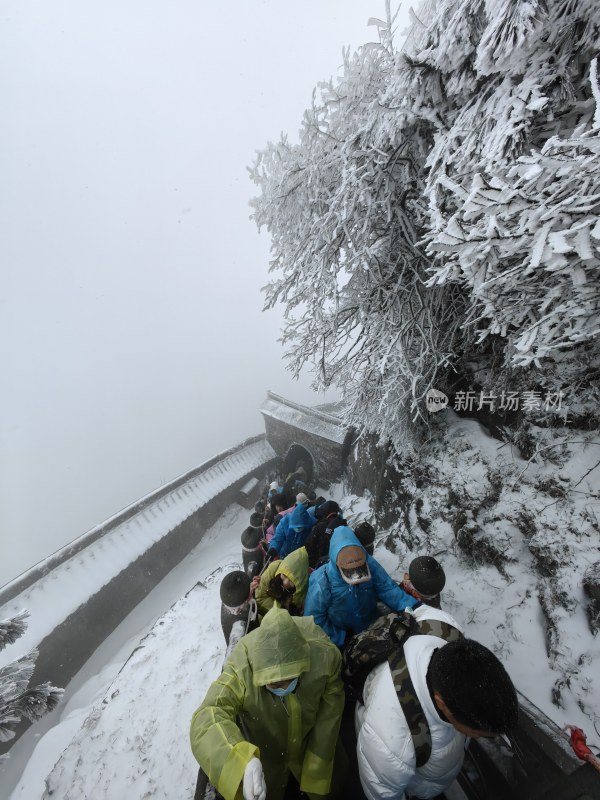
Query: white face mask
x=282, y=692
x=356, y=575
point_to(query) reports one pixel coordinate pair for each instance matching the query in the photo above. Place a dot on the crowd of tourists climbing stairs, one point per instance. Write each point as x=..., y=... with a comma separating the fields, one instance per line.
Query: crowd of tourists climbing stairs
x=338, y=681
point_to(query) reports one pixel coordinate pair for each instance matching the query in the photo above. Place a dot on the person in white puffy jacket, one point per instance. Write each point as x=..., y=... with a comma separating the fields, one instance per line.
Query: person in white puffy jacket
x=464, y=691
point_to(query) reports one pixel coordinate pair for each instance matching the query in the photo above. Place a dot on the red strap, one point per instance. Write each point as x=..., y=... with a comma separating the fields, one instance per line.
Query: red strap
x=580, y=748
x=578, y=742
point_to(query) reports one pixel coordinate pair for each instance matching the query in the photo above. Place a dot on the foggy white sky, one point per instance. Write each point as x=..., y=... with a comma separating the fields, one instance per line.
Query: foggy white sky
x=133, y=346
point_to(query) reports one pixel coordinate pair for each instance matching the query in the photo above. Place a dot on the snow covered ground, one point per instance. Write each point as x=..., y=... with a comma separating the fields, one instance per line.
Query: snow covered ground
x=124, y=733
x=516, y=538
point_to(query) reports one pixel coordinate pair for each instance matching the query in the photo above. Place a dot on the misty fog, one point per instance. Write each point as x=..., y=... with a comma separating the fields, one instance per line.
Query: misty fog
x=133, y=343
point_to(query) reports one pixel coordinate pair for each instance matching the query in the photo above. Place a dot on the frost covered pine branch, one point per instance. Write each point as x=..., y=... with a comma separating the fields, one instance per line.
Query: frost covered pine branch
x=17, y=699
x=345, y=215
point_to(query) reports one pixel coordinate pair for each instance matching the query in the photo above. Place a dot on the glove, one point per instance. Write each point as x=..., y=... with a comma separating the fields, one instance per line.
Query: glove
x=272, y=553
x=253, y=784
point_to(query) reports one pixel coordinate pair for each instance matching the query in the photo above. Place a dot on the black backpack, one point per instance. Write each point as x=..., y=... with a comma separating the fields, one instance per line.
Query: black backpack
x=383, y=641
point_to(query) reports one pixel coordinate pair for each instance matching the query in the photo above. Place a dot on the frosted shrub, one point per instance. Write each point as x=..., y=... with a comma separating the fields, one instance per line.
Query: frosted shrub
x=16, y=699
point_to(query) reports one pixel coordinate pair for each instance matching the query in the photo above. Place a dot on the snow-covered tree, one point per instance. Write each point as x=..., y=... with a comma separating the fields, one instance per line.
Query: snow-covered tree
x=16, y=699
x=514, y=180
x=441, y=205
x=346, y=210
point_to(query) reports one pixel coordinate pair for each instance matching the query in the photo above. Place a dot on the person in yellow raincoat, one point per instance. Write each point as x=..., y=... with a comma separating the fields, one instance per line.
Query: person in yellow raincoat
x=285, y=581
x=275, y=710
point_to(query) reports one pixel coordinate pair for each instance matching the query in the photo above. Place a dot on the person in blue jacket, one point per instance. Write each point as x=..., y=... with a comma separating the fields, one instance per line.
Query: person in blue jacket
x=343, y=593
x=291, y=533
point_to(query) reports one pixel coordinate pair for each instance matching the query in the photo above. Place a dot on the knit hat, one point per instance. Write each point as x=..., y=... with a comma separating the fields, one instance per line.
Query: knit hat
x=365, y=533
x=427, y=576
x=235, y=589
x=302, y=498
x=250, y=538
x=327, y=508
x=352, y=564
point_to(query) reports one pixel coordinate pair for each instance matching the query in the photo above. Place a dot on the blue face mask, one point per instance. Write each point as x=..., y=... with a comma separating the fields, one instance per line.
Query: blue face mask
x=283, y=692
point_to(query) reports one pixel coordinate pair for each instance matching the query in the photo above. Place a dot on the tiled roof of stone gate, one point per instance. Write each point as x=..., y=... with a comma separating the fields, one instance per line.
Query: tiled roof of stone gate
x=305, y=418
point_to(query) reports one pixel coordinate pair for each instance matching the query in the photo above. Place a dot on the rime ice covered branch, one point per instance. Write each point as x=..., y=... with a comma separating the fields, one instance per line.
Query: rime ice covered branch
x=442, y=196
x=595, y=90
x=17, y=699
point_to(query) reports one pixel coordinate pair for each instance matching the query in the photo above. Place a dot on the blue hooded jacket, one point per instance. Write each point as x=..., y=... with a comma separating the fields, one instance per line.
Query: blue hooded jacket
x=341, y=609
x=292, y=535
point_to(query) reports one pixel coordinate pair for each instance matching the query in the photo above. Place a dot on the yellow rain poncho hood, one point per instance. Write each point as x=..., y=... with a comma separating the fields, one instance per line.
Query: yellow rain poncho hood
x=294, y=567
x=281, y=652
x=240, y=718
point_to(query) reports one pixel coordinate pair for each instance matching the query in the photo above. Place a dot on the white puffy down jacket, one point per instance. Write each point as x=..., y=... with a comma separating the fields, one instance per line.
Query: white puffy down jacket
x=386, y=756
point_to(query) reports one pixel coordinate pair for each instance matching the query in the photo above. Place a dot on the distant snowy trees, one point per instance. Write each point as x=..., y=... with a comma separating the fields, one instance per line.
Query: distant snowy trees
x=16, y=699
x=440, y=213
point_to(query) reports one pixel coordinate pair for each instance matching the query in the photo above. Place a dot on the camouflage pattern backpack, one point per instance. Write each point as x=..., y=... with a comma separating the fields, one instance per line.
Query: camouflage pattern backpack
x=383, y=641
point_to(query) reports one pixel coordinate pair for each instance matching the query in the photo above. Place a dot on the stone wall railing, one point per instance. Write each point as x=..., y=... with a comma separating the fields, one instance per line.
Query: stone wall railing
x=81, y=593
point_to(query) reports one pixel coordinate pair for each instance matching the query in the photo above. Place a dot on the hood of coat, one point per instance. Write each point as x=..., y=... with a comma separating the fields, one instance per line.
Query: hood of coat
x=327, y=508
x=278, y=651
x=343, y=536
x=295, y=567
x=300, y=518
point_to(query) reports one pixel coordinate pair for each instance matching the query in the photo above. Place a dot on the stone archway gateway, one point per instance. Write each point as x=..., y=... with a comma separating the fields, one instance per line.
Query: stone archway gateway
x=297, y=455
x=315, y=436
